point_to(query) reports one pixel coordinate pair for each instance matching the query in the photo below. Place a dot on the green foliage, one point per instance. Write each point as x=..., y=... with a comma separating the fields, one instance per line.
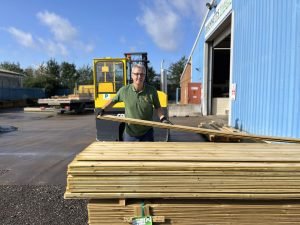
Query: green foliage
x=68, y=75
x=39, y=78
x=14, y=67
x=153, y=78
x=52, y=68
x=85, y=75
x=29, y=72
x=47, y=82
x=52, y=76
x=175, y=71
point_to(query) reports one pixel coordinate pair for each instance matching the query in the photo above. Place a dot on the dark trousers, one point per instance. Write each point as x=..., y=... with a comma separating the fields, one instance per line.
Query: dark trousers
x=149, y=136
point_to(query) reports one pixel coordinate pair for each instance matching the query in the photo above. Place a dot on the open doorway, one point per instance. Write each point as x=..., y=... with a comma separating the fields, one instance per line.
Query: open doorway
x=220, y=77
x=217, y=70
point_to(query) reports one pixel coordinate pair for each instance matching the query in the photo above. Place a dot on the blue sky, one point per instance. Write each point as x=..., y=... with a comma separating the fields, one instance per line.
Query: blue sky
x=33, y=31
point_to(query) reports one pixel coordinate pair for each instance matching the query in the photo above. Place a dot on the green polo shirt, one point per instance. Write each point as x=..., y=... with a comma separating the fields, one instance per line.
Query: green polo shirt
x=138, y=105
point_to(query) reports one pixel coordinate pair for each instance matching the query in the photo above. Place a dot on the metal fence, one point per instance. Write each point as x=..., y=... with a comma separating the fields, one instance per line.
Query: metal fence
x=21, y=93
x=62, y=92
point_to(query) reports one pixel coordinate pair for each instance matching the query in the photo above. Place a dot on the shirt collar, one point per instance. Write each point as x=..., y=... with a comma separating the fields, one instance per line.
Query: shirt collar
x=132, y=86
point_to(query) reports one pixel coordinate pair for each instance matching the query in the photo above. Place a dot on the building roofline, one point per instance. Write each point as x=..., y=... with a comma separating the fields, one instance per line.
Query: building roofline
x=11, y=72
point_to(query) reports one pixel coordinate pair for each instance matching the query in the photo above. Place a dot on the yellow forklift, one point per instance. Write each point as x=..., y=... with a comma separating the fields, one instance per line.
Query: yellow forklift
x=110, y=74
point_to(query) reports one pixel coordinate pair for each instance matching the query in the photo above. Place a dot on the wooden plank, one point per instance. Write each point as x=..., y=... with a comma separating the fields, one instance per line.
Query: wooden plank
x=197, y=130
x=145, y=195
x=241, y=152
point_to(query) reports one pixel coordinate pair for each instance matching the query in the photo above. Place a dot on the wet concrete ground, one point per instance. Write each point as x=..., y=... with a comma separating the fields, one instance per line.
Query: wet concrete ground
x=39, y=151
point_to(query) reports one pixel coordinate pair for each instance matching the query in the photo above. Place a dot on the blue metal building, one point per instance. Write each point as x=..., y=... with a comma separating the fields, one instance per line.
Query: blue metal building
x=248, y=60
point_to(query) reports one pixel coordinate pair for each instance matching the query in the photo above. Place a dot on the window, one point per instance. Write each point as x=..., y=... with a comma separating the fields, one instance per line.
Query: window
x=112, y=73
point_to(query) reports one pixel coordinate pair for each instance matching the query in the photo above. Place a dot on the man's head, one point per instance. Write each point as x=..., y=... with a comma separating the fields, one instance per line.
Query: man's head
x=138, y=73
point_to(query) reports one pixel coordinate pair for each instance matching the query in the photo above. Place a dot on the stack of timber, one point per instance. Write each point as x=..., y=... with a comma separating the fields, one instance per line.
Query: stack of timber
x=180, y=170
x=188, y=183
x=196, y=212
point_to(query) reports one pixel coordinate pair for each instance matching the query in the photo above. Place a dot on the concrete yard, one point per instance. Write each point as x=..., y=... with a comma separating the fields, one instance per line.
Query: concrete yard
x=39, y=151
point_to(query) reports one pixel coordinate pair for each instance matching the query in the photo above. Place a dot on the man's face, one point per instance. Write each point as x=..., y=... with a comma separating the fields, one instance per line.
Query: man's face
x=138, y=76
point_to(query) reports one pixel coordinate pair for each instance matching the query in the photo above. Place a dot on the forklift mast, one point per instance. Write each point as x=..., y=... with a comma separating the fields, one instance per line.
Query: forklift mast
x=136, y=58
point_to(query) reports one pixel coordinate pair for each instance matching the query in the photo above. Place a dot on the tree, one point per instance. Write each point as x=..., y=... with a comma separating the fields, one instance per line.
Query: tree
x=175, y=70
x=29, y=71
x=41, y=80
x=85, y=75
x=153, y=78
x=52, y=68
x=14, y=67
x=69, y=75
x=29, y=77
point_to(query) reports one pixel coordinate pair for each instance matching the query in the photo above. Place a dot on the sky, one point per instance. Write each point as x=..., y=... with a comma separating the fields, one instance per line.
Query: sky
x=77, y=31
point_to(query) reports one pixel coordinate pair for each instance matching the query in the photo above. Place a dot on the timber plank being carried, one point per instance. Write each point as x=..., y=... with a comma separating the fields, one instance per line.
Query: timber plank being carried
x=198, y=130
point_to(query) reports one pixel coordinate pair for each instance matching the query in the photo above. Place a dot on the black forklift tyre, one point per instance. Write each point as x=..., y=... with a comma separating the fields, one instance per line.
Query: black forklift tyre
x=121, y=131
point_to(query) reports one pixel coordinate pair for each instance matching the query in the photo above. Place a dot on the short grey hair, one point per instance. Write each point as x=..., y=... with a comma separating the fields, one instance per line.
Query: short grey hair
x=140, y=66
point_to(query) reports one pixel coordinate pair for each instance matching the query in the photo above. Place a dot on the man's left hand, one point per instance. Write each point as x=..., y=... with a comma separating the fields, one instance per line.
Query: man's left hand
x=101, y=112
x=163, y=119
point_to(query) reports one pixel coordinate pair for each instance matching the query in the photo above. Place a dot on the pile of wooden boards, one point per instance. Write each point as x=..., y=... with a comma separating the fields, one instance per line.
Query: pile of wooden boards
x=197, y=212
x=73, y=96
x=213, y=125
x=189, y=183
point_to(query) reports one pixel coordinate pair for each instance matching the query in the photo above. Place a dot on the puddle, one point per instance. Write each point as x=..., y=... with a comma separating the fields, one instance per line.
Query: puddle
x=7, y=128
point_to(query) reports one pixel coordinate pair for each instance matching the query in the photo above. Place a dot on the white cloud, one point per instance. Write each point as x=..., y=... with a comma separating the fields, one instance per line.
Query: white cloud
x=190, y=8
x=181, y=5
x=60, y=27
x=64, y=32
x=63, y=43
x=53, y=48
x=163, y=20
x=22, y=37
x=88, y=48
x=161, y=24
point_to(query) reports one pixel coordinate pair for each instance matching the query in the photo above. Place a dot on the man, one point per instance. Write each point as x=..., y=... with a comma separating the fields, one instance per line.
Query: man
x=139, y=99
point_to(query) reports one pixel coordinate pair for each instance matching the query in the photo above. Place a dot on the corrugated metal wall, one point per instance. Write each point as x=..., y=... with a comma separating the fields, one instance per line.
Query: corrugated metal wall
x=8, y=94
x=266, y=67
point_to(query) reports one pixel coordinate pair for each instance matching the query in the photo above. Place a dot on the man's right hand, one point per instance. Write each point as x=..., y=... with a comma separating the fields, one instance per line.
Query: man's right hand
x=163, y=119
x=101, y=112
